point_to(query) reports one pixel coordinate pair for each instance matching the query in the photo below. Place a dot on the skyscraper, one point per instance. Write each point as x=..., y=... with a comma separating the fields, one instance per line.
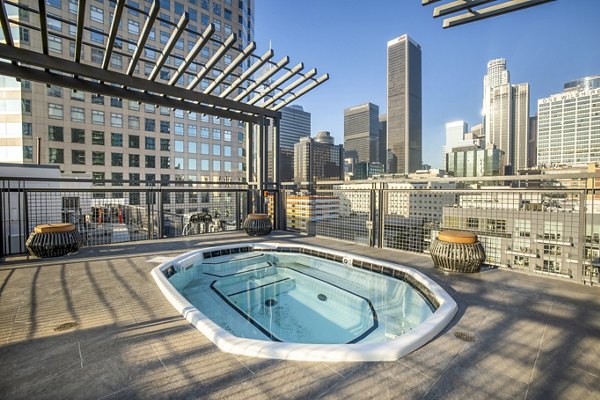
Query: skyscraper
x=383, y=140
x=404, y=105
x=295, y=123
x=569, y=124
x=361, y=132
x=506, y=115
x=111, y=138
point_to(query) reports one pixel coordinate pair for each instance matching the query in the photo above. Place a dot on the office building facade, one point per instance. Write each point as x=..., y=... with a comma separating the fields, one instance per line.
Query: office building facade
x=569, y=125
x=361, y=132
x=404, y=105
x=472, y=161
x=318, y=158
x=112, y=138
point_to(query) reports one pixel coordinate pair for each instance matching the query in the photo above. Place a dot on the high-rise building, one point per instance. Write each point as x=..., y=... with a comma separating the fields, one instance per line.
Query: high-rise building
x=383, y=140
x=455, y=135
x=118, y=139
x=506, y=115
x=294, y=124
x=318, y=158
x=569, y=125
x=532, y=142
x=404, y=116
x=361, y=132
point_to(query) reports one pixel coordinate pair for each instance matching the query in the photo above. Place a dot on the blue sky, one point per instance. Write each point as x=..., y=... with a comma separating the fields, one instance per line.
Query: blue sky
x=545, y=46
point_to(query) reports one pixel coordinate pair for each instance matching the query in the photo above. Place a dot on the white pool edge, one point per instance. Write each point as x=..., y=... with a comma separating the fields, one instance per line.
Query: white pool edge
x=388, y=351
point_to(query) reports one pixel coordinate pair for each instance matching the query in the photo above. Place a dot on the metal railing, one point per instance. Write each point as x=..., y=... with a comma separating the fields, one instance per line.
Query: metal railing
x=542, y=224
x=107, y=212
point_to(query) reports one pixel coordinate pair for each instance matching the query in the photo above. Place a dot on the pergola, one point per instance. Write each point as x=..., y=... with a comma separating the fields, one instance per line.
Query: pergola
x=255, y=100
x=467, y=11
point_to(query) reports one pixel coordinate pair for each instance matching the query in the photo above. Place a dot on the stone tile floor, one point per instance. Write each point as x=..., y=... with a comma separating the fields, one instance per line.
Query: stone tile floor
x=536, y=338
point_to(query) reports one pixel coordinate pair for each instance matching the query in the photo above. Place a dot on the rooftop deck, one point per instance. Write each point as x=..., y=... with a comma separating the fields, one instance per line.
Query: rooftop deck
x=535, y=337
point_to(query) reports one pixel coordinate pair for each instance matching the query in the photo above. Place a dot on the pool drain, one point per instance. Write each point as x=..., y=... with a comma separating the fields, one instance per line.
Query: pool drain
x=270, y=302
x=66, y=326
x=464, y=336
x=322, y=297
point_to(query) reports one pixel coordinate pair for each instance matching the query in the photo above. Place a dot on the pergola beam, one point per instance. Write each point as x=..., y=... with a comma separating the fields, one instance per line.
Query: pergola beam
x=154, y=9
x=43, y=25
x=253, y=68
x=164, y=54
x=39, y=75
x=290, y=87
x=79, y=34
x=213, y=61
x=301, y=92
x=491, y=11
x=455, y=6
x=5, y=25
x=231, y=67
x=112, y=36
x=189, y=58
x=272, y=71
x=30, y=57
x=282, y=79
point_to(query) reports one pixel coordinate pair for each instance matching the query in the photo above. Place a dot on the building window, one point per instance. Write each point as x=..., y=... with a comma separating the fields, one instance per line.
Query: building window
x=98, y=137
x=116, y=102
x=116, y=159
x=27, y=152
x=97, y=117
x=134, y=141
x=178, y=163
x=56, y=156
x=165, y=162
x=192, y=130
x=149, y=125
x=78, y=157
x=133, y=27
x=192, y=147
x=54, y=44
x=77, y=95
x=204, y=132
x=178, y=128
x=150, y=162
x=134, y=179
x=27, y=129
x=117, y=180
x=55, y=111
x=77, y=114
x=192, y=164
x=55, y=133
x=97, y=14
x=116, y=139
x=204, y=148
x=97, y=99
x=97, y=56
x=227, y=151
x=216, y=134
x=216, y=150
x=77, y=135
x=165, y=127
x=165, y=145
x=133, y=122
x=116, y=120
x=97, y=37
x=97, y=158
x=179, y=146
x=134, y=160
x=150, y=143
x=216, y=166
x=98, y=178
x=54, y=91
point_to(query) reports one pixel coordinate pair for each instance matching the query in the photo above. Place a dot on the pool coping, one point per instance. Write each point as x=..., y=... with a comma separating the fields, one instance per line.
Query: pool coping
x=387, y=351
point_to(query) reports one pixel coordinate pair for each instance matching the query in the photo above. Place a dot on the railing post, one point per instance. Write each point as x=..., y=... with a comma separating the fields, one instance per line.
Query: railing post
x=381, y=215
x=161, y=213
x=238, y=213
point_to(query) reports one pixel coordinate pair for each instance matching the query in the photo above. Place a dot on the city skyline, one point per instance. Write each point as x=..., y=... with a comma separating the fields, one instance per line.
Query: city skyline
x=454, y=60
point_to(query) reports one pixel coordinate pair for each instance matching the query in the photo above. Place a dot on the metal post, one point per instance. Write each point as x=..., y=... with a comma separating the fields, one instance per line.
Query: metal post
x=260, y=159
x=381, y=219
x=249, y=164
x=38, y=150
x=238, y=215
x=278, y=206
